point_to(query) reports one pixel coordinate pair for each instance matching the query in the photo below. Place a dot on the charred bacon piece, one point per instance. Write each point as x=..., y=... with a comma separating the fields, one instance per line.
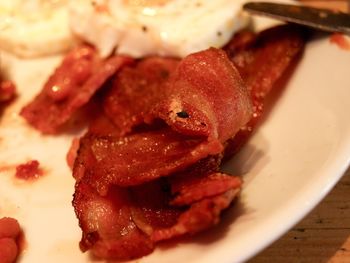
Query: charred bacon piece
x=206, y=97
x=126, y=223
x=187, y=100
x=136, y=90
x=262, y=59
x=121, y=160
x=106, y=221
x=71, y=86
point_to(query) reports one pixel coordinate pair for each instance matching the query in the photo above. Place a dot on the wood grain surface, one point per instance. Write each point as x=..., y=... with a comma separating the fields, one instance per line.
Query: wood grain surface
x=331, y=4
x=321, y=237
x=324, y=235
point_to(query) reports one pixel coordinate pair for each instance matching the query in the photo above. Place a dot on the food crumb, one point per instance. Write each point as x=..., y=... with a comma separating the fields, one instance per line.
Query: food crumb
x=340, y=40
x=29, y=170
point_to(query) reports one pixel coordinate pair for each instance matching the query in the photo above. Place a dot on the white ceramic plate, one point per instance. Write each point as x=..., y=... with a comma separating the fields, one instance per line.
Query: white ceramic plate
x=291, y=163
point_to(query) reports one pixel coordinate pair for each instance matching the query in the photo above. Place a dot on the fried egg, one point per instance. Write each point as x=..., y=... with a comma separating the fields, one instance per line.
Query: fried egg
x=31, y=28
x=156, y=27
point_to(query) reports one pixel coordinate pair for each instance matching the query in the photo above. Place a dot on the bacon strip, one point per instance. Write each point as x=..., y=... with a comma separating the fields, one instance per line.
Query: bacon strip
x=127, y=222
x=120, y=171
x=206, y=97
x=156, y=217
x=121, y=161
x=136, y=90
x=200, y=216
x=262, y=60
x=148, y=171
x=194, y=188
x=71, y=86
x=108, y=229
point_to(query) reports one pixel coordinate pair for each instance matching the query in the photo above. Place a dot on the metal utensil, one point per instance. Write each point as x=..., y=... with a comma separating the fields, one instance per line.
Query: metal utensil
x=322, y=19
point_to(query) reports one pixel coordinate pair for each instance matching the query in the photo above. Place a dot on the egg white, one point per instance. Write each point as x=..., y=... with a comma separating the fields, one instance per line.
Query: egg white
x=32, y=28
x=157, y=27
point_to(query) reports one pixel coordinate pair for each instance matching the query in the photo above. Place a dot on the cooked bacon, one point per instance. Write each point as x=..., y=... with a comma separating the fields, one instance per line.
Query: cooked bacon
x=136, y=90
x=103, y=126
x=139, y=157
x=192, y=188
x=206, y=97
x=200, y=181
x=127, y=222
x=121, y=161
x=262, y=60
x=148, y=170
x=71, y=86
x=108, y=229
x=200, y=216
x=155, y=216
x=151, y=209
x=192, y=133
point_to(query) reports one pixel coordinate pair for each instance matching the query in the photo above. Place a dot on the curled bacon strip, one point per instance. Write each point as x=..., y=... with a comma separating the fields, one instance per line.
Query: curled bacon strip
x=71, y=86
x=162, y=134
x=262, y=60
x=186, y=140
x=136, y=90
x=127, y=222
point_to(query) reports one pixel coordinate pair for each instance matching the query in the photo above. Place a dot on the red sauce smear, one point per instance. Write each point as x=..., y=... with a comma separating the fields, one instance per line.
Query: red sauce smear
x=9, y=232
x=6, y=168
x=340, y=41
x=29, y=170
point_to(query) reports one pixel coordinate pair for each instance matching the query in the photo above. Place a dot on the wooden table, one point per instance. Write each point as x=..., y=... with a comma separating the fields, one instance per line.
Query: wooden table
x=324, y=235
x=321, y=237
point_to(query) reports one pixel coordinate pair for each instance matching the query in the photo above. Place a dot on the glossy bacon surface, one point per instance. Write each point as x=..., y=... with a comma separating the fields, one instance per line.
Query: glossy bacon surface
x=108, y=228
x=136, y=90
x=262, y=59
x=126, y=223
x=206, y=97
x=71, y=86
x=156, y=166
x=139, y=157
